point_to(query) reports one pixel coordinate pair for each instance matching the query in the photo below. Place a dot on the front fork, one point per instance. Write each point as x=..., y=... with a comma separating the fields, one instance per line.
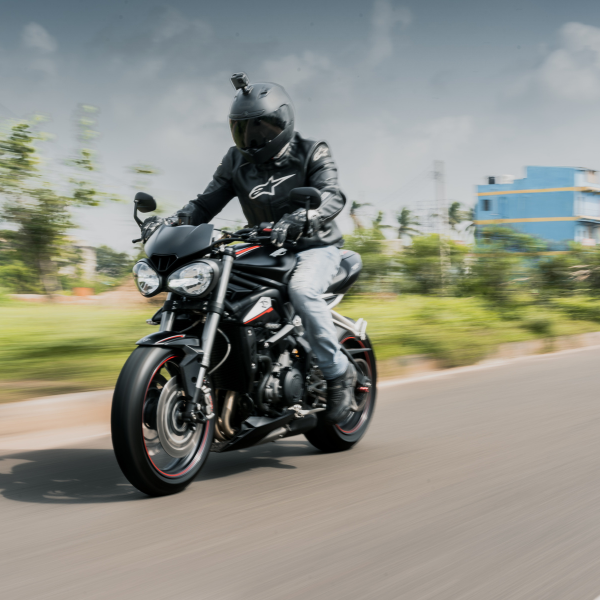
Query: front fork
x=215, y=310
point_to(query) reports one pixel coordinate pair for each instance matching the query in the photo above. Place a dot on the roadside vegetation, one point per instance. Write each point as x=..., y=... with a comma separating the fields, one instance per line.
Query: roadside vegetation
x=423, y=294
x=53, y=348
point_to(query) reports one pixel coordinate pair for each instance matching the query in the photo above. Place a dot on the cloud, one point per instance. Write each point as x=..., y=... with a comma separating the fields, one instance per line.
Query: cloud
x=572, y=71
x=384, y=20
x=36, y=37
x=296, y=69
x=449, y=132
x=173, y=24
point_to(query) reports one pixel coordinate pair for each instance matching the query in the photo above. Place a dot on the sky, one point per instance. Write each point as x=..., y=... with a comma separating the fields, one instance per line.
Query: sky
x=486, y=87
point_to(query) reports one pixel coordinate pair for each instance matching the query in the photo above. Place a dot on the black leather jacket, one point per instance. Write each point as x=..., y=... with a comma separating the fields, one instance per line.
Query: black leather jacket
x=263, y=190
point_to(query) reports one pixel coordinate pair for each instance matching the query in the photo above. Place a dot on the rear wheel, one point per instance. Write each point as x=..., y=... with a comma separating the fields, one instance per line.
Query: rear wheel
x=335, y=438
x=157, y=451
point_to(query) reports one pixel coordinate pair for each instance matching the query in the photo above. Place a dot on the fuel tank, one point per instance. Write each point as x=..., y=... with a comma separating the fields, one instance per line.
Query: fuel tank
x=266, y=261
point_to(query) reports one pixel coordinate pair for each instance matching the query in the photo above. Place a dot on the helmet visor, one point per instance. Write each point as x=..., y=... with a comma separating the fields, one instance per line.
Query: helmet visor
x=257, y=132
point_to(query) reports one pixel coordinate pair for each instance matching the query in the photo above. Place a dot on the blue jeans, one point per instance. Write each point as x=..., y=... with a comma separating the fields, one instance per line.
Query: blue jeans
x=314, y=272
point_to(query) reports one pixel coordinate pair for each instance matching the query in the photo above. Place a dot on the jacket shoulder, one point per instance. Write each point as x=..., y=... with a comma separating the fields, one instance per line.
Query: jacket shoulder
x=313, y=150
x=229, y=162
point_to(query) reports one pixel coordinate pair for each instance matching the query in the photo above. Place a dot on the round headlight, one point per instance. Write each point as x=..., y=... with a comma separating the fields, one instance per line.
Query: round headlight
x=192, y=280
x=146, y=278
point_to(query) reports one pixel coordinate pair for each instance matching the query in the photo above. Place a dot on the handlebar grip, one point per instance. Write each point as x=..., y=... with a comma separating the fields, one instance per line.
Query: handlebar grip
x=266, y=227
x=184, y=220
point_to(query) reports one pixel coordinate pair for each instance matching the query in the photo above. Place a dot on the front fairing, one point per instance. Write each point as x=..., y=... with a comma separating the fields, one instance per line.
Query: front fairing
x=180, y=244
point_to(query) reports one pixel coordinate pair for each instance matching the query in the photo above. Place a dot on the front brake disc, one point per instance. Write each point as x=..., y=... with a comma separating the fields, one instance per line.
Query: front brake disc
x=176, y=436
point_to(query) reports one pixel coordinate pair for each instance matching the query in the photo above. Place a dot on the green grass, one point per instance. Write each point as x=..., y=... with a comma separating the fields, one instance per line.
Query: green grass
x=49, y=349
x=64, y=347
x=461, y=331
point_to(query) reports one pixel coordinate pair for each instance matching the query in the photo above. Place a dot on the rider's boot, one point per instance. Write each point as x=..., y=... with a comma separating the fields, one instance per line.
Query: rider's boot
x=340, y=396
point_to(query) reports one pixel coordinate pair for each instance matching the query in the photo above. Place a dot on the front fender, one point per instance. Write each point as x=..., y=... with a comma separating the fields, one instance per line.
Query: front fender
x=192, y=354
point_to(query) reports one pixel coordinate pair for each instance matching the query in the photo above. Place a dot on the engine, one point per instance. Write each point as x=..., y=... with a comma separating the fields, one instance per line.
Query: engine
x=286, y=383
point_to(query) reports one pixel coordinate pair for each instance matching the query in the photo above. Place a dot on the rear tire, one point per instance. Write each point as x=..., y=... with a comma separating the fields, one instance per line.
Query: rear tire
x=135, y=425
x=343, y=436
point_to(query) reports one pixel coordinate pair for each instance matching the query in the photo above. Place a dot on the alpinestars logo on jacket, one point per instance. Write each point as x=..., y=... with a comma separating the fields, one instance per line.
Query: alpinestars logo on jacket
x=264, y=188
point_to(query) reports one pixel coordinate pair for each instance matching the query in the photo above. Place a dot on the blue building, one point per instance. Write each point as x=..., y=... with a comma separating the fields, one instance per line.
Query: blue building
x=558, y=204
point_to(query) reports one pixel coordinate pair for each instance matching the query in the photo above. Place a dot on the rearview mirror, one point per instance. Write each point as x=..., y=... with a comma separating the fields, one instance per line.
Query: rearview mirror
x=306, y=197
x=145, y=203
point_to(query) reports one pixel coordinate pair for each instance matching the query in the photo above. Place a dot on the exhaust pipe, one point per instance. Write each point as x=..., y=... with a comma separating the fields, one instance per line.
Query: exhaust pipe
x=295, y=427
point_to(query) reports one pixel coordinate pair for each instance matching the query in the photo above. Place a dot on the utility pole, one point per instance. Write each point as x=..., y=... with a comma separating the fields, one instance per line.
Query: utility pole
x=442, y=219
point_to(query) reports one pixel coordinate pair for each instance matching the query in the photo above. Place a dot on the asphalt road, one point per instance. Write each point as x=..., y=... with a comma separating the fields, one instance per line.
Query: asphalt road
x=474, y=486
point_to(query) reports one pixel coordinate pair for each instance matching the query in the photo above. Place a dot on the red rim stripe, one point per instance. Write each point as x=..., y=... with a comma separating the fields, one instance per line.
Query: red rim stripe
x=202, y=444
x=365, y=410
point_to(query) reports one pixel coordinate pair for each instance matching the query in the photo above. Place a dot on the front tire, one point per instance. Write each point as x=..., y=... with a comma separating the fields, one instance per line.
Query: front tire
x=157, y=453
x=336, y=438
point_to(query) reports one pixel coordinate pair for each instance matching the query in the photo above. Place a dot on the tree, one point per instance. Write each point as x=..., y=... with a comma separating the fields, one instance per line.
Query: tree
x=40, y=216
x=503, y=263
x=377, y=222
x=354, y=208
x=407, y=223
x=455, y=215
x=469, y=215
x=421, y=266
x=376, y=272
x=111, y=263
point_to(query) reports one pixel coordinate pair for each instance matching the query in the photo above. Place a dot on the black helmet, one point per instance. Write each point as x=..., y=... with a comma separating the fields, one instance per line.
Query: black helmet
x=261, y=119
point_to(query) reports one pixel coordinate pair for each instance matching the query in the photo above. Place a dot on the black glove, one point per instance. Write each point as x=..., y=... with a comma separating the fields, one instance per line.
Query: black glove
x=289, y=227
x=186, y=214
x=149, y=226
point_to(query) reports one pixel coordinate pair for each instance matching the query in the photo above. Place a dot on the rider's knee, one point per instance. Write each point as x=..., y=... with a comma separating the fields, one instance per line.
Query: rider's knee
x=302, y=290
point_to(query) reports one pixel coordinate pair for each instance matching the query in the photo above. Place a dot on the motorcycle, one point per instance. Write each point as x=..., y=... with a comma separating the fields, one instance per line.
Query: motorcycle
x=230, y=367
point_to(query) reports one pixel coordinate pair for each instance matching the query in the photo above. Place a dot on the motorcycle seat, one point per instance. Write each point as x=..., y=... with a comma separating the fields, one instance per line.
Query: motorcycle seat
x=347, y=274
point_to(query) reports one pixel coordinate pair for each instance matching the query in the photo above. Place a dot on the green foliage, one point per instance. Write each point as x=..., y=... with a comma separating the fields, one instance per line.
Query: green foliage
x=407, y=223
x=18, y=158
x=580, y=308
x=354, y=208
x=541, y=324
x=112, y=263
x=68, y=347
x=377, y=272
x=510, y=240
x=455, y=215
x=423, y=263
x=457, y=331
x=500, y=266
x=18, y=278
x=39, y=216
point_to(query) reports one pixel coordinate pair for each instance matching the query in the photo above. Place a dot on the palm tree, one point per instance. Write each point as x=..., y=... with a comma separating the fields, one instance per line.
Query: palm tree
x=407, y=223
x=455, y=215
x=378, y=222
x=469, y=215
x=354, y=212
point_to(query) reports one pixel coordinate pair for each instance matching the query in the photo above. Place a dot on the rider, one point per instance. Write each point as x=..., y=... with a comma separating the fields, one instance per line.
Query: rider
x=270, y=159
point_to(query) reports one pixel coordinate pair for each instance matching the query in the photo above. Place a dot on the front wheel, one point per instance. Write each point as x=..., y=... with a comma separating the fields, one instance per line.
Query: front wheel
x=158, y=452
x=335, y=438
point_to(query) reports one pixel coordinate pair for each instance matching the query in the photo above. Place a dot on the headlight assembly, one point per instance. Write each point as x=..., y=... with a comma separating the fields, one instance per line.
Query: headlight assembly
x=195, y=280
x=148, y=281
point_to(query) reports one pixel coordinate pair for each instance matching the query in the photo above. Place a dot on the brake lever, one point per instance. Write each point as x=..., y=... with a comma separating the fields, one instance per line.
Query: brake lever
x=136, y=241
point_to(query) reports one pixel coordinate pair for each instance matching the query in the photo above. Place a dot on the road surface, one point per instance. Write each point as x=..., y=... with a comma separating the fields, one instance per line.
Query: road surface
x=482, y=485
